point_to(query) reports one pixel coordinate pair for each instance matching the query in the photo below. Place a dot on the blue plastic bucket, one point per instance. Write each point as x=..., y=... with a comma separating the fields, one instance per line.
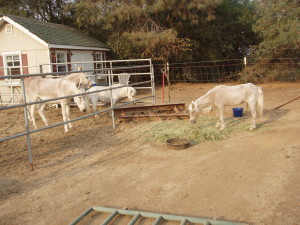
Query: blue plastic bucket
x=100, y=84
x=237, y=112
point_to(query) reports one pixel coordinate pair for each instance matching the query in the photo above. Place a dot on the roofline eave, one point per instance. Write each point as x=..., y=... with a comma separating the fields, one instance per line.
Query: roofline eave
x=74, y=47
x=26, y=31
x=48, y=45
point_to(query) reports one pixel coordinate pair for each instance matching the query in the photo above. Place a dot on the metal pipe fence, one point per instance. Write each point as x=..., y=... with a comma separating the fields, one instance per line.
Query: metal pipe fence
x=222, y=71
x=158, y=218
x=108, y=72
x=142, y=77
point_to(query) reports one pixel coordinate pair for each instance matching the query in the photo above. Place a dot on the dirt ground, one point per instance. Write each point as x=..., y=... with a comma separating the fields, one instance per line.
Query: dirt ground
x=250, y=177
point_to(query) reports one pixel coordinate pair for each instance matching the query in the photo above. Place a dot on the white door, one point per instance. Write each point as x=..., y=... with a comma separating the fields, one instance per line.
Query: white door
x=83, y=59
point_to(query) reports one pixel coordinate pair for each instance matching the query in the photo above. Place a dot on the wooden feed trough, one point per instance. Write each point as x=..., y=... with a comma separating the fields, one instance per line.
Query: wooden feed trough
x=161, y=111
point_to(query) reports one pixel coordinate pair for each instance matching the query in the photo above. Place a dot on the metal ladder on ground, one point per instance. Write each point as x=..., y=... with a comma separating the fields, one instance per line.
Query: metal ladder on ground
x=159, y=218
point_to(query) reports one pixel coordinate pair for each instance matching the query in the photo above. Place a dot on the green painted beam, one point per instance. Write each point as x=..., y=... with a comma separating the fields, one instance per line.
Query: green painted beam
x=184, y=221
x=157, y=221
x=110, y=217
x=137, y=214
x=134, y=219
x=85, y=213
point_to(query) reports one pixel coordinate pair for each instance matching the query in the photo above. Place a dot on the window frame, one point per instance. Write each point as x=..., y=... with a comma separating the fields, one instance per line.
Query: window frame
x=64, y=64
x=5, y=61
x=100, y=65
x=9, y=28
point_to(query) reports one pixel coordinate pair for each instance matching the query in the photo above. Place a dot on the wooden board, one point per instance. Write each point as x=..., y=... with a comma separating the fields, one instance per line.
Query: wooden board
x=154, y=116
x=154, y=108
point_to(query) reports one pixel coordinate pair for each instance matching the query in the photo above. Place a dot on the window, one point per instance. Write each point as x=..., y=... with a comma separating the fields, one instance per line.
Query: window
x=12, y=63
x=9, y=29
x=61, y=57
x=99, y=65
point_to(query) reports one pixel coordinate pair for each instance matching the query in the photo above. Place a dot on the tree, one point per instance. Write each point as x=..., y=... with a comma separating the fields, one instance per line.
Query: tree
x=140, y=28
x=278, y=25
x=168, y=30
x=228, y=36
x=55, y=11
x=13, y=7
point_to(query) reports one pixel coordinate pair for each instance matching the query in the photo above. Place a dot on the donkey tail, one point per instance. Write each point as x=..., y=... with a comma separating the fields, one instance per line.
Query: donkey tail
x=260, y=102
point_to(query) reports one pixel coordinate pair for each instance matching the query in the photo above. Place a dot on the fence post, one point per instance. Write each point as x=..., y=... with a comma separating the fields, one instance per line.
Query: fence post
x=152, y=82
x=163, y=85
x=245, y=63
x=27, y=125
x=110, y=82
x=167, y=69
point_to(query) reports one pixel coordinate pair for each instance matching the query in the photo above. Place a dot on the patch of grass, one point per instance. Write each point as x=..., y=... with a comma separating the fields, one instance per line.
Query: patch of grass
x=203, y=130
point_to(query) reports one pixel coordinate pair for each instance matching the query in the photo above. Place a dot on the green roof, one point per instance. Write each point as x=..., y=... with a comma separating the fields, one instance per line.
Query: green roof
x=57, y=34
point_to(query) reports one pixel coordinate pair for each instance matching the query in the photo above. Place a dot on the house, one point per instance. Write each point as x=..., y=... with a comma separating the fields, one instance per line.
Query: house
x=28, y=46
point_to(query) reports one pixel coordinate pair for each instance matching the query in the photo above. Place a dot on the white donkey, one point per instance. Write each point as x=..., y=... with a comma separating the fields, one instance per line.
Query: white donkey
x=222, y=95
x=37, y=88
x=105, y=96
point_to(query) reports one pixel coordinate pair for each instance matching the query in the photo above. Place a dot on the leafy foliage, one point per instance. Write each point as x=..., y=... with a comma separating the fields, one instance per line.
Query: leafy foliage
x=278, y=25
x=228, y=36
x=137, y=28
x=50, y=11
x=177, y=30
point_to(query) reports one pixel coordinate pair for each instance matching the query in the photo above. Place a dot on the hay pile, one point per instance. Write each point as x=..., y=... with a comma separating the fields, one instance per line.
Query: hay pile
x=203, y=130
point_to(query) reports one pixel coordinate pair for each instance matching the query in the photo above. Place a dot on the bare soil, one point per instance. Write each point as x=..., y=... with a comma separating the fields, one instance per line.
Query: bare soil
x=250, y=177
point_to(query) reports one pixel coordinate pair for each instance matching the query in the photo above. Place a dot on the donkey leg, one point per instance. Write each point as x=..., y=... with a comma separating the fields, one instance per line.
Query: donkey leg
x=28, y=113
x=218, y=124
x=41, y=108
x=68, y=115
x=31, y=112
x=94, y=102
x=253, y=113
x=64, y=114
x=221, y=114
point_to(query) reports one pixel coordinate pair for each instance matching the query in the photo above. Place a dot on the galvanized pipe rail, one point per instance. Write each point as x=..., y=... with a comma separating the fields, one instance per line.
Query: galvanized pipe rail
x=69, y=96
x=157, y=216
x=71, y=120
x=110, y=74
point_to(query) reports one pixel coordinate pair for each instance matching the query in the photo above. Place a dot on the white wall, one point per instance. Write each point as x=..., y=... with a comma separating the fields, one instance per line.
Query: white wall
x=37, y=53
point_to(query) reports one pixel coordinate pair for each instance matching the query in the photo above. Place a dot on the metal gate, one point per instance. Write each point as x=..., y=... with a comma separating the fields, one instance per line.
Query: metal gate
x=158, y=218
x=135, y=67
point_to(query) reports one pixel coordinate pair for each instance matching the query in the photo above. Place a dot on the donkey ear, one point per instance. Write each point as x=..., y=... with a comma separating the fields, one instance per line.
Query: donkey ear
x=129, y=91
x=193, y=104
x=78, y=83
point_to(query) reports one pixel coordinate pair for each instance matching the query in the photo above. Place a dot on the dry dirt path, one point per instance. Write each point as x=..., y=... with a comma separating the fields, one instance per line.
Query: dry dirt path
x=250, y=177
